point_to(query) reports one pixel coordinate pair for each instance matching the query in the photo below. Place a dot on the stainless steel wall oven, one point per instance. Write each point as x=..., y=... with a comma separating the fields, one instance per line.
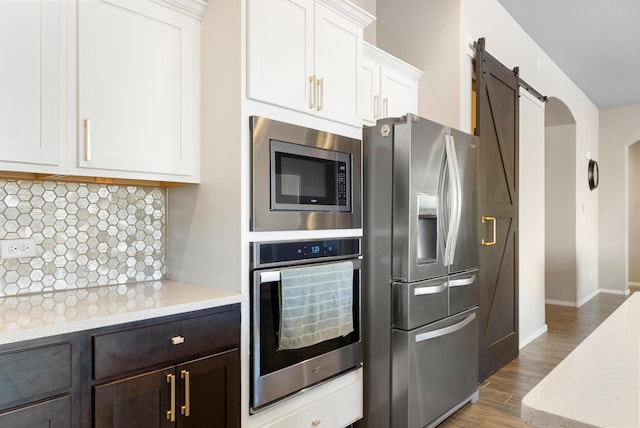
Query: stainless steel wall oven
x=304, y=179
x=317, y=282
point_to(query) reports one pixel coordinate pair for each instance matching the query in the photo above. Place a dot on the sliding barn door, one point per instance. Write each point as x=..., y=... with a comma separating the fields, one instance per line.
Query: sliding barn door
x=497, y=127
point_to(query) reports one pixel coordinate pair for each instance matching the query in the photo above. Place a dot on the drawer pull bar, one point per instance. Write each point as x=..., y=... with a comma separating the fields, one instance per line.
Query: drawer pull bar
x=186, y=409
x=421, y=291
x=171, y=414
x=462, y=282
x=177, y=340
x=315, y=422
x=447, y=330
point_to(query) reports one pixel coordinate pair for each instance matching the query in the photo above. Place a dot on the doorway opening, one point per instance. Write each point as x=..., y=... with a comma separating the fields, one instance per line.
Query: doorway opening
x=633, y=215
x=560, y=204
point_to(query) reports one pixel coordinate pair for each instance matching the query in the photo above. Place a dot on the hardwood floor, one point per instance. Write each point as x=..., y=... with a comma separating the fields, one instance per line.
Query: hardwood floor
x=502, y=393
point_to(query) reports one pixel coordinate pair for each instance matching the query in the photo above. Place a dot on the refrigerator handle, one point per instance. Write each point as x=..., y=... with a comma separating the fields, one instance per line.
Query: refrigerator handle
x=456, y=195
x=449, y=250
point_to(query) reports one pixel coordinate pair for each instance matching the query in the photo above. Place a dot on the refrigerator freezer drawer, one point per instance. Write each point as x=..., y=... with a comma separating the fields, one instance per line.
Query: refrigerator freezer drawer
x=463, y=292
x=434, y=369
x=418, y=303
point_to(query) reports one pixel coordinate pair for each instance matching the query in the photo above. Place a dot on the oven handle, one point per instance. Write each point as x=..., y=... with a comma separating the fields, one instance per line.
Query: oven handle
x=272, y=276
x=447, y=330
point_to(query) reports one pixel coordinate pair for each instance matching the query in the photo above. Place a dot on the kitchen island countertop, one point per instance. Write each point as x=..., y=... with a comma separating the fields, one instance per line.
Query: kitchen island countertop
x=598, y=383
x=37, y=315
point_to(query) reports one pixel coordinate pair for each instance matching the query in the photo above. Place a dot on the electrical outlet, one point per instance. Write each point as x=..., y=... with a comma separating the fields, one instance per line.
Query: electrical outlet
x=14, y=248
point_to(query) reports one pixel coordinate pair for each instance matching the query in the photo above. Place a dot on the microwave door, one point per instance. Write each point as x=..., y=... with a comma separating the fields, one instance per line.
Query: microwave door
x=309, y=178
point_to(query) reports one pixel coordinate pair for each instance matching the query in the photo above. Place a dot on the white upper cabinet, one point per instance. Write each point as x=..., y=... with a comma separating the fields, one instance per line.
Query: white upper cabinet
x=388, y=87
x=138, y=90
x=32, y=85
x=101, y=88
x=305, y=55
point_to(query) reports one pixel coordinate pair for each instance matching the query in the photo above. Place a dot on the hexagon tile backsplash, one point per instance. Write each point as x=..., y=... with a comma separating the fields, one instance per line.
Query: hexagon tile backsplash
x=85, y=234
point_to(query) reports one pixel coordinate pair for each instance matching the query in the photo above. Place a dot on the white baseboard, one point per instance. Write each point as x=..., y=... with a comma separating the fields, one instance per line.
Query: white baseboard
x=610, y=291
x=588, y=297
x=533, y=336
x=560, y=302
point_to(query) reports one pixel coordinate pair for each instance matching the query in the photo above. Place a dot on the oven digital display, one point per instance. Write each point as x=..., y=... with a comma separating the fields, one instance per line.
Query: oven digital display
x=277, y=252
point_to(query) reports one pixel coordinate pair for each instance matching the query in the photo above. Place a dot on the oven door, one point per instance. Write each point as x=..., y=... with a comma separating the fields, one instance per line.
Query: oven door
x=277, y=373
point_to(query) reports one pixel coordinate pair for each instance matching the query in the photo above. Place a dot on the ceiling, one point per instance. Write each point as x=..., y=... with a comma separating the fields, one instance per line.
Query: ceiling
x=595, y=42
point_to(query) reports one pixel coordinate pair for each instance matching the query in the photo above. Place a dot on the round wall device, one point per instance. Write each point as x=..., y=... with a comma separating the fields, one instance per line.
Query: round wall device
x=593, y=174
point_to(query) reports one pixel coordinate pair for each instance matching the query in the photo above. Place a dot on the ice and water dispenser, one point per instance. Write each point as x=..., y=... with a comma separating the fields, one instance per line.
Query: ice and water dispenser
x=427, y=228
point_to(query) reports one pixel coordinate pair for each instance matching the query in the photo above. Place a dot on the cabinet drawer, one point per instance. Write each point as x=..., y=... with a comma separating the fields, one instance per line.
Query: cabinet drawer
x=137, y=348
x=419, y=303
x=339, y=409
x=52, y=414
x=463, y=292
x=433, y=368
x=34, y=372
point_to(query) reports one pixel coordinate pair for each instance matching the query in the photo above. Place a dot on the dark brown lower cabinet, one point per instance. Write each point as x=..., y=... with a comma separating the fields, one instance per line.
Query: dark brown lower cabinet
x=55, y=413
x=196, y=394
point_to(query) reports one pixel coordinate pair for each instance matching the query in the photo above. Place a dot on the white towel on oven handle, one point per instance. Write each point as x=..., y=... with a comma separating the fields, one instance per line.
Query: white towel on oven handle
x=316, y=304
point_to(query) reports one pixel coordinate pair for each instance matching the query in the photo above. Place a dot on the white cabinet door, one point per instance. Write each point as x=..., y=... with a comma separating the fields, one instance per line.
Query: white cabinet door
x=138, y=74
x=398, y=93
x=33, y=52
x=393, y=89
x=369, y=91
x=305, y=57
x=280, y=37
x=338, y=54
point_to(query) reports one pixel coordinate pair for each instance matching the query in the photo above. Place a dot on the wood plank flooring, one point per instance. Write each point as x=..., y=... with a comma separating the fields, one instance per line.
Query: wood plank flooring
x=502, y=393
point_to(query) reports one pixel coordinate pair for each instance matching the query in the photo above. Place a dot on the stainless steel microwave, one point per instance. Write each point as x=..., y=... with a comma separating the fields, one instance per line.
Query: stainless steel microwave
x=304, y=179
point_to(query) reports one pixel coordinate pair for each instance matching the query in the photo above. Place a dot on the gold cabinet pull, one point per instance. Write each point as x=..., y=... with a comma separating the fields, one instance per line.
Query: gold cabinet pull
x=312, y=92
x=87, y=139
x=186, y=409
x=171, y=414
x=493, y=241
x=315, y=422
x=177, y=340
x=376, y=106
x=320, y=97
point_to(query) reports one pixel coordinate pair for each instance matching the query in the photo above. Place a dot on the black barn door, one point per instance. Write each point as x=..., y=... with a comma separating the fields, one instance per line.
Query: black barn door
x=497, y=127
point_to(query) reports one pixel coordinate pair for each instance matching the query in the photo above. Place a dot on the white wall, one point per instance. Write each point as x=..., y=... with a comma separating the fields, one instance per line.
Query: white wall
x=205, y=222
x=423, y=33
x=532, y=224
x=508, y=42
x=619, y=128
x=370, y=31
x=634, y=213
x=560, y=196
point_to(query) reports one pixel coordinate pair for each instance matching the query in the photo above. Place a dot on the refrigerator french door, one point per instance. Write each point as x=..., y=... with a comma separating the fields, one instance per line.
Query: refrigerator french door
x=421, y=265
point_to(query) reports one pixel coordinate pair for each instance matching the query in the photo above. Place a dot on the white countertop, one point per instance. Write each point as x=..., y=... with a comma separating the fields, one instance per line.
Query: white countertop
x=598, y=384
x=39, y=315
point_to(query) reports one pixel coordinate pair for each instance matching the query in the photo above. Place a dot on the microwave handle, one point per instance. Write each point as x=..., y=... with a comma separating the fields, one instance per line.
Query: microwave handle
x=273, y=276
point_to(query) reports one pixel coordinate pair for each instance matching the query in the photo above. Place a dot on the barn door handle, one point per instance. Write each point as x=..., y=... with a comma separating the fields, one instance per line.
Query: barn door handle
x=493, y=240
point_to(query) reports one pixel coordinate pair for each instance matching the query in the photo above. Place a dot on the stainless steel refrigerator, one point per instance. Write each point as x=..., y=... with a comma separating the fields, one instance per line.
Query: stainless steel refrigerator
x=420, y=276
